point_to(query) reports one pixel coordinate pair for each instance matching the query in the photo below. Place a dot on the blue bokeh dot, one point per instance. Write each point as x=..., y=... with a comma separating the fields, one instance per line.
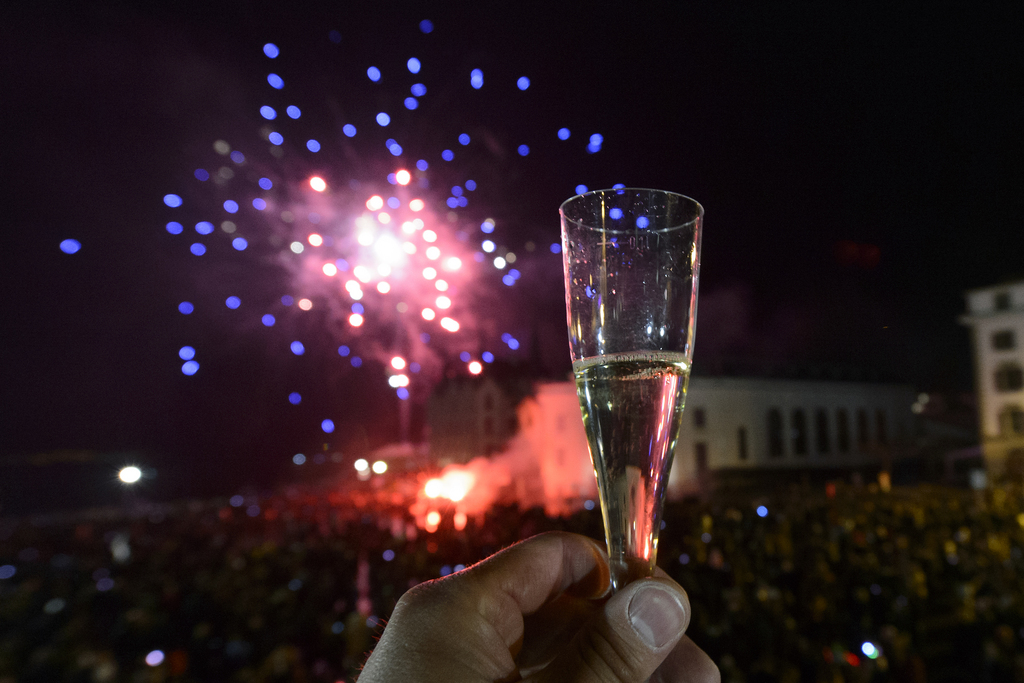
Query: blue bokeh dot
x=580, y=189
x=373, y=73
x=523, y=83
x=383, y=119
x=268, y=320
x=275, y=138
x=202, y=174
x=266, y=183
x=523, y=150
x=186, y=353
x=186, y=307
x=563, y=133
x=231, y=206
x=426, y=26
x=343, y=350
x=348, y=129
x=70, y=246
x=414, y=65
x=175, y=228
x=418, y=89
x=271, y=50
x=411, y=103
x=190, y=367
x=275, y=81
x=293, y=111
x=233, y=302
x=297, y=348
x=295, y=398
x=447, y=155
x=197, y=249
x=422, y=165
x=312, y=145
x=268, y=113
x=172, y=200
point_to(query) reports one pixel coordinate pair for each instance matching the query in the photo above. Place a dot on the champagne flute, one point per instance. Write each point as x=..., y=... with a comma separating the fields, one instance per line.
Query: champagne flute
x=631, y=261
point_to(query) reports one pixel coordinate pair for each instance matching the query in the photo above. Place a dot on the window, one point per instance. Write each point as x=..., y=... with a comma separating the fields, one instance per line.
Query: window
x=881, y=431
x=862, y=429
x=741, y=434
x=1009, y=377
x=842, y=431
x=775, y=443
x=799, y=432
x=1011, y=421
x=700, y=454
x=1003, y=301
x=699, y=419
x=821, y=431
x=1002, y=340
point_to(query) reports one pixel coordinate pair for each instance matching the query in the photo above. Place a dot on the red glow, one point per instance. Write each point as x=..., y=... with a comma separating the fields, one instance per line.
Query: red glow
x=460, y=520
x=852, y=659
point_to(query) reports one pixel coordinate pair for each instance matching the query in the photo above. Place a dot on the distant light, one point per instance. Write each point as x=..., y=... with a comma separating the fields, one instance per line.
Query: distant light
x=383, y=119
x=204, y=227
x=618, y=186
x=383, y=287
x=197, y=249
x=327, y=426
x=375, y=203
x=299, y=459
x=563, y=133
x=523, y=83
x=487, y=226
x=201, y=174
x=130, y=474
x=355, y=320
x=373, y=73
x=237, y=157
x=356, y=361
x=231, y=206
x=185, y=307
x=488, y=246
x=475, y=368
x=476, y=78
x=398, y=363
x=275, y=81
x=762, y=511
x=186, y=353
x=403, y=177
x=513, y=344
x=593, y=149
x=388, y=555
x=330, y=270
x=253, y=510
x=70, y=246
x=380, y=467
x=443, y=302
x=268, y=320
x=556, y=248
x=499, y=262
x=287, y=300
x=508, y=280
x=357, y=308
x=523, y=150
x=293, y=111
x=428, y=314
x=315, y=239
x=305, y=304
x=450, y=324
x=349, y=130
x=275, y=138
x=402, y=393
x=268, y=113
x=581, y=189
x=615, y=213
x=7, y=571
x=588, y=504
x=447, y=155
x=869, y=650
x=426, y=26
x=418, y=89
x=312, y=145
x=271, y=50
x=432, y=253
x=172, y=200
x=487, y=356
x=463, y=139
x=175, y=228
x=414, y=65
x=343, y=350
x=422, y=165
x=361, y=465
x=297, y=348
x=433, y=519
x=236, y=501
x=411, y=103
x=190, y=367
x=684, y=559
x=642, y=222
x=239, y=243
x=395, y=149
x=155, y=658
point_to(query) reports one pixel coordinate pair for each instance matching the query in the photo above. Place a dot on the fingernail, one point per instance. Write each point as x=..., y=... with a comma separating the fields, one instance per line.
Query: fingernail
x=656, y=615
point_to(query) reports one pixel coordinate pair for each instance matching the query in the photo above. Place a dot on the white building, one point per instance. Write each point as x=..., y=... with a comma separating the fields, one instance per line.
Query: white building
x=734, y=429
x=995, y=316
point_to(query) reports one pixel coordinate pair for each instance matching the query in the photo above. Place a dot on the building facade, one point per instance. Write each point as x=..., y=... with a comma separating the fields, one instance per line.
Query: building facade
x=995, y=316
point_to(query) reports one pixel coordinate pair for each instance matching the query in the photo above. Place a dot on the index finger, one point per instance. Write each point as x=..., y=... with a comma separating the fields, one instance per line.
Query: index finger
x=522, y=578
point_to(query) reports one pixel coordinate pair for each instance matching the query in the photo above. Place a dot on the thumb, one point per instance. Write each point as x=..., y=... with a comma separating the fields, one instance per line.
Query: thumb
x=627, y=641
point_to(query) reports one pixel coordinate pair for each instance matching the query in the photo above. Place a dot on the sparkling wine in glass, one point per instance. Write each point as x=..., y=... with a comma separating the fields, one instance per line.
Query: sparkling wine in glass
x=631, y=260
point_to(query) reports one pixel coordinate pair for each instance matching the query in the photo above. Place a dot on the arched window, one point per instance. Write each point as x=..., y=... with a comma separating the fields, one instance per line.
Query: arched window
x=821, y=431
x=1009, y=377
x=799, y=432
x=843, y=430
x=1011, y=421
x=775, y=441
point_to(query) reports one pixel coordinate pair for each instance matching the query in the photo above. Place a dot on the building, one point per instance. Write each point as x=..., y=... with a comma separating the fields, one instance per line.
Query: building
x=468, y=417
x=995, y=316
x=743, y=431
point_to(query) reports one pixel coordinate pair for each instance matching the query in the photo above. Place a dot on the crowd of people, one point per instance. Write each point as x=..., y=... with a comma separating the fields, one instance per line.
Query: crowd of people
x=831, y=584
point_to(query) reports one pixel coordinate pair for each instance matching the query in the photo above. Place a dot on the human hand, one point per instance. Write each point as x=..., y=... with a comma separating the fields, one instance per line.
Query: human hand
x=538, y=612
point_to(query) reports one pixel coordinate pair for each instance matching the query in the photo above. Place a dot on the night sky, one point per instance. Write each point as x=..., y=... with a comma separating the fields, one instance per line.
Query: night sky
x=860, y=168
